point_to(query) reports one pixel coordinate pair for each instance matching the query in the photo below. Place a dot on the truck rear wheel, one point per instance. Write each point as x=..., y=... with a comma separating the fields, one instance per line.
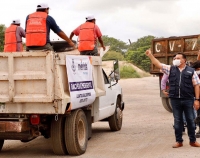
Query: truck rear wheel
x=1, y=143
x=166, y=104
x=115, y=121
x=57, y=136
x=76, y=132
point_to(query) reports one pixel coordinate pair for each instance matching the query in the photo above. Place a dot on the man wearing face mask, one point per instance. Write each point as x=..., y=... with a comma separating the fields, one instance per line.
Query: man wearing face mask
x=183, y=88
x=164, y=81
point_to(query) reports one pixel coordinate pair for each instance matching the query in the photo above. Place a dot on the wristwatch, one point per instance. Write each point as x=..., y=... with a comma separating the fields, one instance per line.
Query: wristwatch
x=196, y=99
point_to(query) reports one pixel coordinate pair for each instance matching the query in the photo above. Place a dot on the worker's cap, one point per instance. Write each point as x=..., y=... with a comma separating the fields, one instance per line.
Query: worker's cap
x=16, y=21
x=42, y=6
x=90, y=17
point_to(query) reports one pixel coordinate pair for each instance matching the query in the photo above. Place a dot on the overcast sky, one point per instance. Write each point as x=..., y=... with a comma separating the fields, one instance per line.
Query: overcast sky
x=121, y=19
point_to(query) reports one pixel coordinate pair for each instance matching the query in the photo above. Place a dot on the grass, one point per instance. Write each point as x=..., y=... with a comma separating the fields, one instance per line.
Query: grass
x=128, y=72
x=112, y=55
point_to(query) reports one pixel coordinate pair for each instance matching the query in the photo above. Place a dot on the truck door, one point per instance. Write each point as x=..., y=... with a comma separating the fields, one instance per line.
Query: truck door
x=107, y=103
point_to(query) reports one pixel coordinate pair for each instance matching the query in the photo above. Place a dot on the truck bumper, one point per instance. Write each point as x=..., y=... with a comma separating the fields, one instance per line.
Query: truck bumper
x=15, y=130
x=17, y=127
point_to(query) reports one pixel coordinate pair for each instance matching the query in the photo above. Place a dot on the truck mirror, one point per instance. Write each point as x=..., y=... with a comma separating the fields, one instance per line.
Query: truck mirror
x=116, y=70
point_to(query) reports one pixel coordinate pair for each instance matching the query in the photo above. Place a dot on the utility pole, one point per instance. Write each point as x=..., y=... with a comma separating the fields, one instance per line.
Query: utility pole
x=129, y=41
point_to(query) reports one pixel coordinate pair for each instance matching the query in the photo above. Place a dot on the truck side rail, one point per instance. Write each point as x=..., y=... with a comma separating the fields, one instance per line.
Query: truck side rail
x=26, y=77
x=165, y=48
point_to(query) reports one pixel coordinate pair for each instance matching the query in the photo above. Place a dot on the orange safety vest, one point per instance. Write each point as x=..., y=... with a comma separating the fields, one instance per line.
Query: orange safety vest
x=87, y=37
x=36, y=30
x=11, y=39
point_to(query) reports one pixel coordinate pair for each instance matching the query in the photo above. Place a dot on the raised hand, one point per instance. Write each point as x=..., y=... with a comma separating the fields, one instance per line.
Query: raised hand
x=148, y=52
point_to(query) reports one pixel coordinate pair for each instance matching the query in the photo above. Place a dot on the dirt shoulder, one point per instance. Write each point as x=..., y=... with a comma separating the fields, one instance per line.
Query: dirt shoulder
x=108, y=67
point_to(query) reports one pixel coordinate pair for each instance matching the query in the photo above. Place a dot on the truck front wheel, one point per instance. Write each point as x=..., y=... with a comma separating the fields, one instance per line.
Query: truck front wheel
x=76, y=132
x=115, y=121
x=1, y=143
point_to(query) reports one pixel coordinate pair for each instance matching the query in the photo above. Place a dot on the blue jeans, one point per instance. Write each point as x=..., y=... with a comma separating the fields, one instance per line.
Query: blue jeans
x=179, y=106
x=184, y=119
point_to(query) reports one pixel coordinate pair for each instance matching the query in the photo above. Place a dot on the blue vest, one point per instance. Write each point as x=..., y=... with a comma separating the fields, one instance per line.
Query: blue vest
x=180, y=83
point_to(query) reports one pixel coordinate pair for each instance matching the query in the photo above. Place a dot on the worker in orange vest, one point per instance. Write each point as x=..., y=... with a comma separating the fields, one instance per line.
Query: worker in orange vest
x=38, y=25
x=13, y=37
x=88, y=34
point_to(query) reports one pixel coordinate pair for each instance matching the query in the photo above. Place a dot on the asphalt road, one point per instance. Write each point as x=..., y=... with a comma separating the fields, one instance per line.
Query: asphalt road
x=146, y=133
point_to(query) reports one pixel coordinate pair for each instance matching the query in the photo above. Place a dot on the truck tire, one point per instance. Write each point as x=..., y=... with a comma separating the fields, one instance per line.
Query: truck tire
x=169, y=103
x=76, y=132
x=166, y=104
x=115, y=121
x=1, y=143
x=57, y=136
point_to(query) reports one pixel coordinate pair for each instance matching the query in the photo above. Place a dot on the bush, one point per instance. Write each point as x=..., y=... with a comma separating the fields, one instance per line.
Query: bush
x=112, y=55
x=128, y=72
x=139, y=59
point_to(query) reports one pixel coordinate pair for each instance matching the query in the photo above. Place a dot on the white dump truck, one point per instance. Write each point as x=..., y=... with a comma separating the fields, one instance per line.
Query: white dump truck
x=58, y=96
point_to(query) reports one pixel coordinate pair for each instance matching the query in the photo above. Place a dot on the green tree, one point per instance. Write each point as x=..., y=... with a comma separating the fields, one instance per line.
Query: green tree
x=2, y=30
x=141, y=42
x=115, y=44
x=135, y=53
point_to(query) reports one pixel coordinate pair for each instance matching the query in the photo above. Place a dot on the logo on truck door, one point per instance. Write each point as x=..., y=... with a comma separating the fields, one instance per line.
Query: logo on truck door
x=73, y=66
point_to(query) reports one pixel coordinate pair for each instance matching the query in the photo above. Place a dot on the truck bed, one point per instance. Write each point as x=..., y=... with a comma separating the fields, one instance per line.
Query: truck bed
x=36, y=80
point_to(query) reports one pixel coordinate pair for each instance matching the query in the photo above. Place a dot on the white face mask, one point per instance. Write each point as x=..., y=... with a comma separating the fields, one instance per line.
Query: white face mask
x=198, y=72
x=176, y=62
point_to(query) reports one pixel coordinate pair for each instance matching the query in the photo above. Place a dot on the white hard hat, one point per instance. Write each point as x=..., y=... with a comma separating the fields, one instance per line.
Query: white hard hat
x=16, y=21
x=42, y=6
x=91, y=17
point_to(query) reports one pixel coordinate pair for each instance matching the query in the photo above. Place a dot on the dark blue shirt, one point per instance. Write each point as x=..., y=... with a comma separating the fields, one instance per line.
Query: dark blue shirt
x=51, y=24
